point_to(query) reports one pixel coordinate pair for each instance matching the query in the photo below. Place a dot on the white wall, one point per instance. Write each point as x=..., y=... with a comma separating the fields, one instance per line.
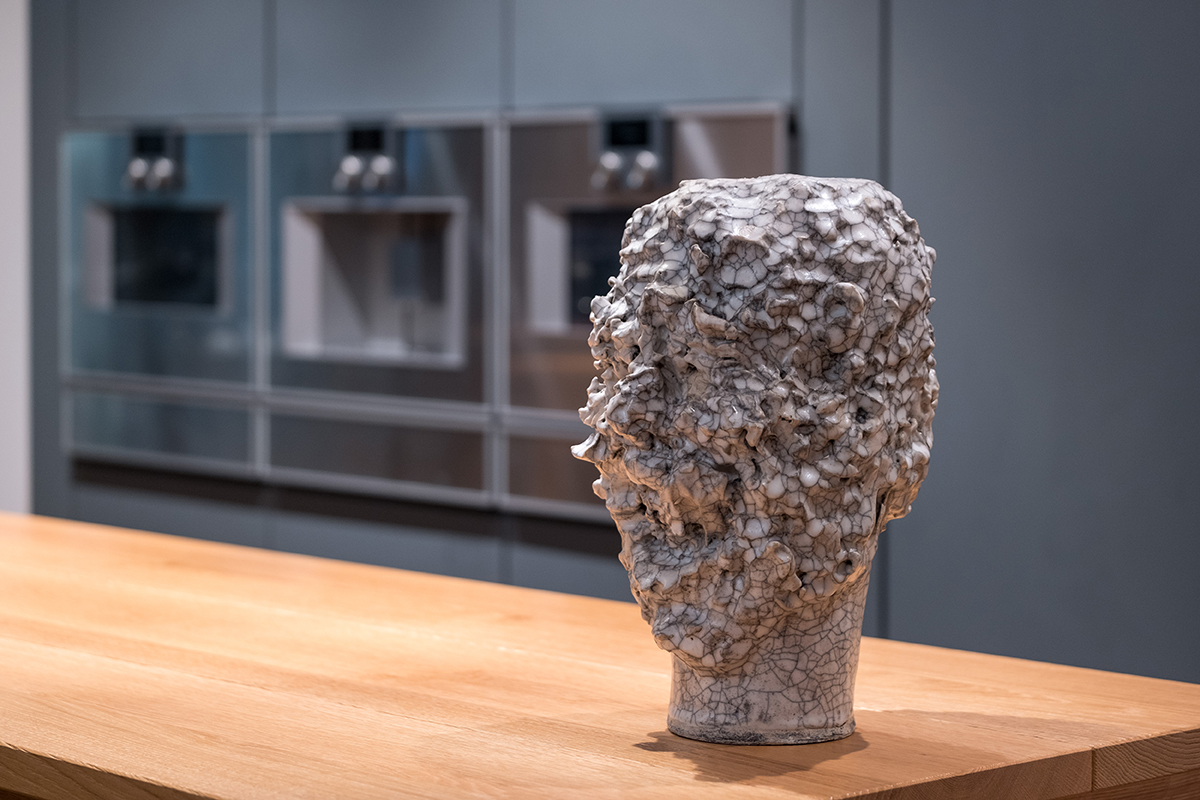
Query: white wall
x=14, y=256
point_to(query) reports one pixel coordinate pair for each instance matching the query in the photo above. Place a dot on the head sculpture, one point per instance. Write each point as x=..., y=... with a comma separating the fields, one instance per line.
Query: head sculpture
x=764, y=409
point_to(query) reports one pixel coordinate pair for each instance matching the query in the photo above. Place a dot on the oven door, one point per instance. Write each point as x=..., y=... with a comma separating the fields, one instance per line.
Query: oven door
x=381, y=292
x=158, y=284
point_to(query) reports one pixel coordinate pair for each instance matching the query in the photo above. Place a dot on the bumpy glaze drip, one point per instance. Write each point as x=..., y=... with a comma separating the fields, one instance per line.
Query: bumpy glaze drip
x=764, y=408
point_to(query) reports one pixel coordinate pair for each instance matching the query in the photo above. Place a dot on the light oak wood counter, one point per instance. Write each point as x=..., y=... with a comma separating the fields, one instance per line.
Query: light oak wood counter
x=136, y=665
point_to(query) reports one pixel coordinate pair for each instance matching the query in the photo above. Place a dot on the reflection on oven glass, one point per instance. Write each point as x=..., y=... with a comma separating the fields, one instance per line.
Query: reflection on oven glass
x=165, y=255
x=158, y=268
x=380, y=284
x=595, y=244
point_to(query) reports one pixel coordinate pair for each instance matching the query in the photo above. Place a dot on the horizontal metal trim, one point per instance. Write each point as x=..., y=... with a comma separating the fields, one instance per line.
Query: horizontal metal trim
x=543, y=423
x=248, y=123
x=470, y=118
x=432, y=118
x=200, y=123
x=550, y=114
x=356, y=407
x=590, y=114
x=298, y=123
x=381, y=487
x=430, y=361
x=178, y=463
x=453, y=204
x=165, y=388
x=719, y=110
x=443, y=414
x=183, y=390
x=356, y=484
x=561, y=509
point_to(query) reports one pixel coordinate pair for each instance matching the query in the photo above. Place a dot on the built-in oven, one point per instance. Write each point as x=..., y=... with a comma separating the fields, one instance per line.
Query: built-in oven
x=377, y=311
x=391, y=307
x=157, y=290
x=575, y=180
x=377, y=260
x=158, y=253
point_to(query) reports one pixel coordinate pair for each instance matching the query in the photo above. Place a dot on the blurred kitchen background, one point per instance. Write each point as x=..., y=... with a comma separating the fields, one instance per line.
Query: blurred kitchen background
x=312, y=275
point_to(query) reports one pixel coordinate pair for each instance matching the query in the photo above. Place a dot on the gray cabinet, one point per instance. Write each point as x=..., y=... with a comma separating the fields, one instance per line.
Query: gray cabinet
x=651, y=51
x=157, y=58
x=377, y=56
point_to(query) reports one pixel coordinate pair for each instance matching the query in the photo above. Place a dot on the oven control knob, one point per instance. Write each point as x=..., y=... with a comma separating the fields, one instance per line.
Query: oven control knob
x=643, y=172
x=607, y=167
x=349, y=173
x=162, y=174
x=137, y=171
x=379, y=173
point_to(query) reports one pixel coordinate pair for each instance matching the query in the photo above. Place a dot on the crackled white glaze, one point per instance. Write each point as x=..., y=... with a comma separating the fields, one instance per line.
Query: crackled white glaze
x=764, y=408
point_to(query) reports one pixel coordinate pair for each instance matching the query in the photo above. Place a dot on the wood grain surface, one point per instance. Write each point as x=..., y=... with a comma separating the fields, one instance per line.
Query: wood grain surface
x=137, y=665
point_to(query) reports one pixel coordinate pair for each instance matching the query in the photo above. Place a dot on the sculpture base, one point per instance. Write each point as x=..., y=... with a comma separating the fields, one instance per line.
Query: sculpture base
x=796, y=688
x=718, y=734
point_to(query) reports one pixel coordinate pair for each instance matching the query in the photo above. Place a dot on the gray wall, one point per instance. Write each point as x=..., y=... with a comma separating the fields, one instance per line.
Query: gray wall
x=1047, y=149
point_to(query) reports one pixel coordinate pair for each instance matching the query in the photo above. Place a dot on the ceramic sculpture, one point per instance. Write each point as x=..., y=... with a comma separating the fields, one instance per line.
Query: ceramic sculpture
x=763, y=411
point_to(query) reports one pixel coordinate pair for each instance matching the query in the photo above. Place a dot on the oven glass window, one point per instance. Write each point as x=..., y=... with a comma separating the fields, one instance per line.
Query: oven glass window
x=595, y=244
x=382, y=286
x=166, y=255
x=160, y=282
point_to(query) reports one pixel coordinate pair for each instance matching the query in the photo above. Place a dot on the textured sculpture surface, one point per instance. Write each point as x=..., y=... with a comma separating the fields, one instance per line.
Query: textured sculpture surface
x=764, y=409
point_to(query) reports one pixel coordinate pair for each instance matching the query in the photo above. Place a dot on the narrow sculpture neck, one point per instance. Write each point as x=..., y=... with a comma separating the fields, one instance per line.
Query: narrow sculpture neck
x=797, y=688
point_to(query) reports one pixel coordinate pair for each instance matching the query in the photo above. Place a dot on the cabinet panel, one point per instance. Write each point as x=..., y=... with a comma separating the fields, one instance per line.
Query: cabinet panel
x=371, y=56
x=545, y=468
x=652, y=51
x=374, y=450
x=136, y=424
x=168, y=57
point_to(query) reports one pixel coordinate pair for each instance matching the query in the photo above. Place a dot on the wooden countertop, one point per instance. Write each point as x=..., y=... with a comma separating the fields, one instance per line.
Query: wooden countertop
x=146, y=666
